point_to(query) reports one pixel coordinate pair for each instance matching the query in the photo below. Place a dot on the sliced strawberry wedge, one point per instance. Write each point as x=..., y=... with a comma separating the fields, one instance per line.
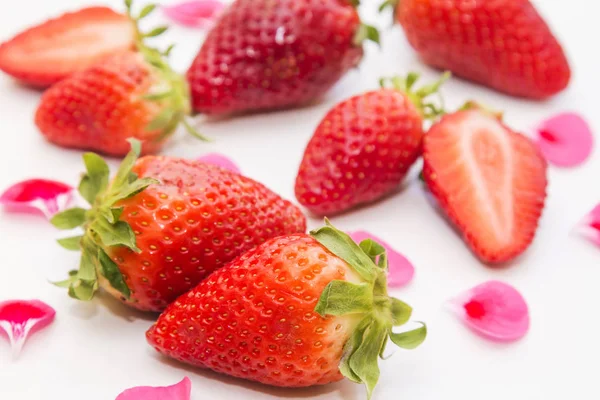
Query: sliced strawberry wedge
x=489, y=180
x=49, y=52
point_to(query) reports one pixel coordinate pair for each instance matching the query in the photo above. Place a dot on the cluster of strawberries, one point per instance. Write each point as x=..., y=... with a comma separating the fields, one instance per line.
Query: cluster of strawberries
x=242, y=288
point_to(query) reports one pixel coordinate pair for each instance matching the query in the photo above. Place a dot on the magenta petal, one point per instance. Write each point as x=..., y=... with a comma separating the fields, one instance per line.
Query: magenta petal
x=590, y=226
x=400, y=270
x=20, y=318
x=565, y=140
x=179, y=391
x=220, y=160
x=37, y=195
x=494, y=310
x=195, y=13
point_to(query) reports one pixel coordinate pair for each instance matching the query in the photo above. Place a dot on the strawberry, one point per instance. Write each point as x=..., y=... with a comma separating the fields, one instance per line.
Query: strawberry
x=47, y=53
x=503, y=44
x=296, y=311
x=364, y=147
x=265, y=54
x=130, y=94
x=488, y=179
x=163, y=224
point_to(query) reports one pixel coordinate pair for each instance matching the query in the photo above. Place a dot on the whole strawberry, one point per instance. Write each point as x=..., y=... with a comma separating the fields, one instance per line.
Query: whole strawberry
x=364, y=147
x=488, y=179
x=296, y=311
x=503, y=44
x=265, y=54
x=163, y=224
x=130, y=94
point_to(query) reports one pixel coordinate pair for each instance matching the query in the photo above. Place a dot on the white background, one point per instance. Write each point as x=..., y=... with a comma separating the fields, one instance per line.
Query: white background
x=95, y=350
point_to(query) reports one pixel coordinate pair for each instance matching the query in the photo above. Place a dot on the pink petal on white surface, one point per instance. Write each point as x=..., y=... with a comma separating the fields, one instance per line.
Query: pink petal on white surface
x=21, y=318
x=400, y=270
x=589, y=228
x=221, y=161
x=495, y=310
x=194, y=13
x=179, y=391
x=37, y=195
x=565, y=140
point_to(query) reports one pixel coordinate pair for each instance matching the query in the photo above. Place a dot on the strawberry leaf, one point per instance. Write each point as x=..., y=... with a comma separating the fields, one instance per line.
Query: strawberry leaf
x=341, y=298
x=401, y=312
x=95, y=180
x=147, y=10
x=117, y=234
x=411, y=339
x=111, y=272
x=71, y=243
x=69, y=219
x=350, y=347
x=364, y=361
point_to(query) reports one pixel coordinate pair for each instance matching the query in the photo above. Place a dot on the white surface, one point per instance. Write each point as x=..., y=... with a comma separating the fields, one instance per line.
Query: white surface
x=96, y=350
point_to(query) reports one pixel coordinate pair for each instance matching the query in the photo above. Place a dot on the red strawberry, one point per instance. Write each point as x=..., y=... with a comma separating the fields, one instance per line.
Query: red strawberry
x=489, y=180
x=266, y=54
x=163, y=224
x=364, y=147
x=47, y=53
x=296, y=311
x=131, y=94
x=503, y=44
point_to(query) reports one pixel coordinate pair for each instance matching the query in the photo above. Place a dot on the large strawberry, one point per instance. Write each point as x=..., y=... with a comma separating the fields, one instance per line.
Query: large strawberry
x=163, y=224
x=504, y=44
x=364, y=147
x=49, y=52
x=130, y=94
x=265, y=54
x=296, y=311
x=488, y=179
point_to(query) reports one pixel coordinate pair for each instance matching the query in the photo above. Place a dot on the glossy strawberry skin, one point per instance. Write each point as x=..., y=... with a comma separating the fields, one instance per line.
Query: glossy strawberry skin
x=265, y=54
x=195, y=221
x=503, y=44
x=360, y=152
x=255, y=318
x=100, y=108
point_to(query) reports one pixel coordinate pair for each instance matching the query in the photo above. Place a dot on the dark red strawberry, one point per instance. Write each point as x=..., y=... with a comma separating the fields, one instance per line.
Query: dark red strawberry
x=364, y=147
x=503, y=44
x=488, y=179
x=54, y=50
x=296, y=311
x=265, y=54
x=163, y=224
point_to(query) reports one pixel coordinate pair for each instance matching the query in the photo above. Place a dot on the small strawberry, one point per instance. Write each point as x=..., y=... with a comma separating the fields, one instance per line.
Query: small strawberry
x=488, y=179
x=296, y=311
x=47, y=53
x=364, y=147
x=130, y=94
x=503, y=44
x=265, y=54
x=163, y=224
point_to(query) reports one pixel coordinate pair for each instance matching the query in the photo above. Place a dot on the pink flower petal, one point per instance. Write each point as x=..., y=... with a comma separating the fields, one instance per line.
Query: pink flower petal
x=400, y=270
x=195, y=13
x=20, y=318
x=221, y=161
x=179, y=391
x=35, y=195
x=494, y=310
x=589, y=228
x=566, y=140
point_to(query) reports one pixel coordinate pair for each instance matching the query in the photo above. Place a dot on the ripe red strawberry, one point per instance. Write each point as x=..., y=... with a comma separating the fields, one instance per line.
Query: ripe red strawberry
x=163, y=224
x=265, y=54
x=364, y=147
x=131, y=94
x=47, y=53
x=503, y=44
x=296, y=311
x=488, y=179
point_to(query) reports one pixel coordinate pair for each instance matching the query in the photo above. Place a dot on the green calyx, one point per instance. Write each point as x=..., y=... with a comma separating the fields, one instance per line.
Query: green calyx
x=473, y=105
x=364, y=32
x=393, y=4
x=172, y=92
x=419, y=96
x=102, y=226
x=369, y=302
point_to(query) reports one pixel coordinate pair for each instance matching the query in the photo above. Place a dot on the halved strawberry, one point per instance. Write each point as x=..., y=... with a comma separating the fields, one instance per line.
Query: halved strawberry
x=489, y=180
x=47, y=53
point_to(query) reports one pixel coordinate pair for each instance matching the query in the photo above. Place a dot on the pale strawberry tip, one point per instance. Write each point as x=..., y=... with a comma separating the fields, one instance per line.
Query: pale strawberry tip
x=220, y=160
x=494, y=310
x=565, y=140
x=37, y=196
x=195, y=13
x=179, y=391
x=21, y=318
